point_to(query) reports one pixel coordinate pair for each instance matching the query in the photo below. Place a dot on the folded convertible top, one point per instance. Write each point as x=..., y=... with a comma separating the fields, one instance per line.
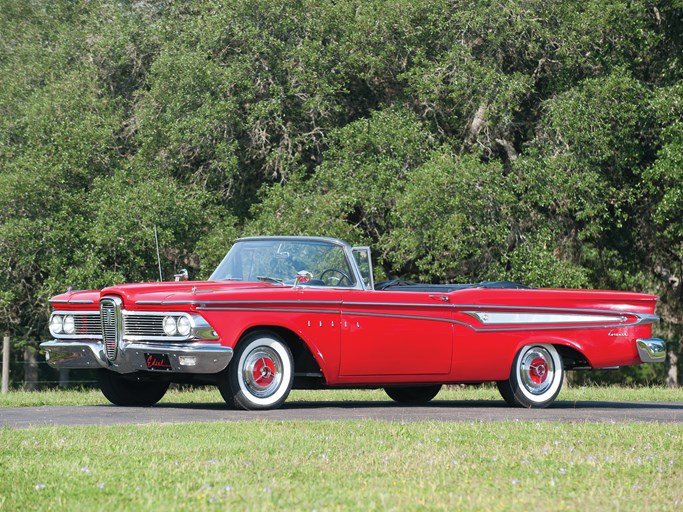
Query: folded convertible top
x=407, y=286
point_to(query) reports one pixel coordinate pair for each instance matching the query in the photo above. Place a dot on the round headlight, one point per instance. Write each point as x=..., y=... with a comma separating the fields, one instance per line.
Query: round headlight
x=69, y=325
x=184, y=326
x=170, y=326
x=56, y=324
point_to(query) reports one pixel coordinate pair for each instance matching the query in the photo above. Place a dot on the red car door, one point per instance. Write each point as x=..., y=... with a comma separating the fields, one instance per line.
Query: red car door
x=395, y=333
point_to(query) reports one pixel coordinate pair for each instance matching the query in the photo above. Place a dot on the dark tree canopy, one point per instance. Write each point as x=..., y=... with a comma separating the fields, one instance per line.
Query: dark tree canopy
x=536, y=141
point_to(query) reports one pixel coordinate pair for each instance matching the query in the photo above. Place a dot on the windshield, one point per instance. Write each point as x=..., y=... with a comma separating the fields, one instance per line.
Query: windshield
x=279, y=261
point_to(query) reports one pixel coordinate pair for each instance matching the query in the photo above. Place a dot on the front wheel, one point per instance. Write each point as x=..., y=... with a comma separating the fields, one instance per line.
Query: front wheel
x=260, y=374
x=535, y=378
x=130, y=390
x=413, y=394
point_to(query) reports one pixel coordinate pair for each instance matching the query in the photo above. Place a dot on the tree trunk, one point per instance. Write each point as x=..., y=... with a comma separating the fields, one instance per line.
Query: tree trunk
x=475, y=126
x=672, y=377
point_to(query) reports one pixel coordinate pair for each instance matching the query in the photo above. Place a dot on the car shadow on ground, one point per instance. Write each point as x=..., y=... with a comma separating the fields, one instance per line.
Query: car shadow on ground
x=437, y=404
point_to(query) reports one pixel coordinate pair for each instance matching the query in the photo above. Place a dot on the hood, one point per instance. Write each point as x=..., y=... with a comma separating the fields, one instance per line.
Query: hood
x=77, y=298
x=182, y=290
x=155, y=291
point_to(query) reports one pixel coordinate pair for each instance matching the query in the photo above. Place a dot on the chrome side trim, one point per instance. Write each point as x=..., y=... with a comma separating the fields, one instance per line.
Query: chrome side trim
x=486, y=307
x=274, y=310
x=471, y=309
x=500, y=318
x=65, y=312
x=230, y=302
x=644, y=319
x=529, y=318
x=539, y=327
x=651, y=350
x=496, y=320
x=409, y=317
x=69, y=301
x=564, y=327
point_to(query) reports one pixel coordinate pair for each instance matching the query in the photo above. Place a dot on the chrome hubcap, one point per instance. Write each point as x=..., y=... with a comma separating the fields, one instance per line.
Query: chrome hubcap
x=537, y=370
x=262, y=372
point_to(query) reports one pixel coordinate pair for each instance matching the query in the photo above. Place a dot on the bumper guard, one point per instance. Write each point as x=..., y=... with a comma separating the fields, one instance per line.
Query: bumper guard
x=651, y=350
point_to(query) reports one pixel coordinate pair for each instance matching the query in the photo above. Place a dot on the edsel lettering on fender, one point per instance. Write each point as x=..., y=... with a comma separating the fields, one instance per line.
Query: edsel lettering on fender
x=305, y=312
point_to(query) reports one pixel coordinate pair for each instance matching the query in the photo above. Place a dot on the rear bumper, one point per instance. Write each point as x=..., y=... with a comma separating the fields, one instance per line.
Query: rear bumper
x=195, y=357
x=651, y=350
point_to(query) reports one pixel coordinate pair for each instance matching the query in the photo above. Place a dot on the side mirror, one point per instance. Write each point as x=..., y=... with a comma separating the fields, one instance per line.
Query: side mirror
x=302, y=277
x=182, y=276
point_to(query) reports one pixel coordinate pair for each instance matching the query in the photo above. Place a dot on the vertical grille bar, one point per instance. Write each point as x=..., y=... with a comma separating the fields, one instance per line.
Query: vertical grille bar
x=110, y=318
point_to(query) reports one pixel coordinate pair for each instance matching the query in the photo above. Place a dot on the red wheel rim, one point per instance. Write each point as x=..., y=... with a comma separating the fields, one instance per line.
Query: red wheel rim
x=262, y=372
x=537, y=370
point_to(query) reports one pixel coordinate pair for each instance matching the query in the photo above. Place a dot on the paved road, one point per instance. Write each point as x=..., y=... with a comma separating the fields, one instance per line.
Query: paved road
x=578, y=412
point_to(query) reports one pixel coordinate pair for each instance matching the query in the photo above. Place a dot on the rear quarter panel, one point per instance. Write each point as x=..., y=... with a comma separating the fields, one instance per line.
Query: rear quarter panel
x=486, y=352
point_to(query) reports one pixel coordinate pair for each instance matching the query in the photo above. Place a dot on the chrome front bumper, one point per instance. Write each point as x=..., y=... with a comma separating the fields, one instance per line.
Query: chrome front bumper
x=651, y=350
x=194, y=357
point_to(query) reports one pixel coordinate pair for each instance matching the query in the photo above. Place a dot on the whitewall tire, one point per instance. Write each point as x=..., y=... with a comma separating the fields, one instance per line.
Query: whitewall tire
x=536, y=377
x=260, y=374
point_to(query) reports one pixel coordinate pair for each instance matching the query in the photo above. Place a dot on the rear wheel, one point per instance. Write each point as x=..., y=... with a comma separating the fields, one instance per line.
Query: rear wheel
x=535, y=378
x=413, y=394
x=260, y=374
x=130, y=390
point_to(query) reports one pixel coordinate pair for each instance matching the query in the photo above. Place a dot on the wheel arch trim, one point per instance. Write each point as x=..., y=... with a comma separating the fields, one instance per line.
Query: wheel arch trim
x=294, y=341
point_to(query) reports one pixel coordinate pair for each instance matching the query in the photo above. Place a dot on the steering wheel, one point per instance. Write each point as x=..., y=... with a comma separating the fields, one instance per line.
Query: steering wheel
x=342, y=276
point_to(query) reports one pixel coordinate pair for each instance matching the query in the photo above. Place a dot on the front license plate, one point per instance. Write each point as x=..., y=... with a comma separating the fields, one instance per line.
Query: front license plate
x=158, y=362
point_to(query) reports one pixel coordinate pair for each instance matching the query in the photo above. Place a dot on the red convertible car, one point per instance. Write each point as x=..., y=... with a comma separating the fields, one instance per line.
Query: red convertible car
x=303, y=312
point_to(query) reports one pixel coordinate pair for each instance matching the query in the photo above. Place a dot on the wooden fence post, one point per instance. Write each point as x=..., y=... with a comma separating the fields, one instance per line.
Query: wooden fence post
x=30, y=369
x=5, y=365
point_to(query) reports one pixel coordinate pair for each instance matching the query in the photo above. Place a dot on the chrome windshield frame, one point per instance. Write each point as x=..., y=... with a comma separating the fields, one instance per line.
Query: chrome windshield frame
x=346, y=248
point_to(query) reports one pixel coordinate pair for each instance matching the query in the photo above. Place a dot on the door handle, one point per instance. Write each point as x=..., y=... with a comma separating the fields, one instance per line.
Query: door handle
x=442, y=298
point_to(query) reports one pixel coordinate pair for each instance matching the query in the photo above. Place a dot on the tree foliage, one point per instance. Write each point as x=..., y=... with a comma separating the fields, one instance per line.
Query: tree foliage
x=526, y=140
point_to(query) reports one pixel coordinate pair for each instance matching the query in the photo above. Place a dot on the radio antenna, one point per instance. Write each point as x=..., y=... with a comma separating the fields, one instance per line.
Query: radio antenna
x=156, y=239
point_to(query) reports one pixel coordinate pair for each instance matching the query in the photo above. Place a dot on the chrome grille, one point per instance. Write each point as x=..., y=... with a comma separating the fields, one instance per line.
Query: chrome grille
x=87, y=325
x=110, y=315
x=114, y=326
x=144, y=325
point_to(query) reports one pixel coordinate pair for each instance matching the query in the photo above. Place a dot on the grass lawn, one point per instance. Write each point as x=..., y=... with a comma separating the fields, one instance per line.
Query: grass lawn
x=346, y=465
x=210, y=394
x=349, y=465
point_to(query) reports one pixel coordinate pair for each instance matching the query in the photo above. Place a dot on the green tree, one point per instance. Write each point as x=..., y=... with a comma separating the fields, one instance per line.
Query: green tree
x=526, y=140
x=352, y=193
